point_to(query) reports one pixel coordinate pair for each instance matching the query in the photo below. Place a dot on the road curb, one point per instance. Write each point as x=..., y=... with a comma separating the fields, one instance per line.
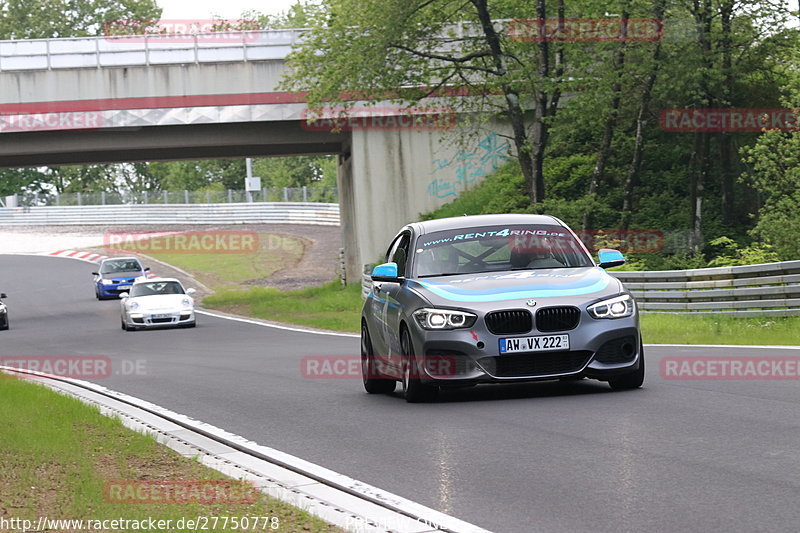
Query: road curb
x=333, y=497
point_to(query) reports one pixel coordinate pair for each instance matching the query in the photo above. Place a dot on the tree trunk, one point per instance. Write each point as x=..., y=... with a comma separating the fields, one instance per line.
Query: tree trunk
x=633, y=178
x=529, y=153
x=726, y=140
x=608, y=129
x=702, y=15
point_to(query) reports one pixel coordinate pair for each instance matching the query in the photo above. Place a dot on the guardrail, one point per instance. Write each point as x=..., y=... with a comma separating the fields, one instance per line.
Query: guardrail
x=148, y=49
x=770, y=289
x=267, y=194
x=251, y=213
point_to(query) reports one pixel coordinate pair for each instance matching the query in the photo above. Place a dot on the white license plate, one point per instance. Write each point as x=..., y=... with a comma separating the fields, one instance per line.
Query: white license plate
x=544, y=343
x=161, y=316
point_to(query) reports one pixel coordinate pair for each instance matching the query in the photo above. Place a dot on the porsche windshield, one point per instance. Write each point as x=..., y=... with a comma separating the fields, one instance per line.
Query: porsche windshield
x=497, y=248
x=156, y=288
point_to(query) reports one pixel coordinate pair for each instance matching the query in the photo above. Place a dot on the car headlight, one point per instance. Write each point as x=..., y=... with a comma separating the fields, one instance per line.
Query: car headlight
x=618, y=307
x=133, y=306
x=187, y=303
x=2, y=307
x=106, y=282
x=444, y=319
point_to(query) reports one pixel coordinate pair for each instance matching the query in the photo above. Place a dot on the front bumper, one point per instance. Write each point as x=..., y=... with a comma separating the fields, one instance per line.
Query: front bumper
x=599, y=349
x=161, y=319
x=114, y=290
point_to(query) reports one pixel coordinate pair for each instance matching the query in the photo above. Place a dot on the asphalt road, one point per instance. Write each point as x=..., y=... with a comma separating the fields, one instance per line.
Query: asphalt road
x=673, y=456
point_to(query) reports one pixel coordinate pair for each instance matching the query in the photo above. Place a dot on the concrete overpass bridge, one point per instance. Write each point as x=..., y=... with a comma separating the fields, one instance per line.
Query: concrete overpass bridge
x=147, y=98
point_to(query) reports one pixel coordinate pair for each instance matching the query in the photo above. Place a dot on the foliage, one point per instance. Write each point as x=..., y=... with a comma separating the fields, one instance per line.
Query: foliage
x=733, y=254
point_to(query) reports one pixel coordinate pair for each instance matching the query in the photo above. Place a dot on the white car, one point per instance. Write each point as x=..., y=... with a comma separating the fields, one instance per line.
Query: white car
x=157, y=302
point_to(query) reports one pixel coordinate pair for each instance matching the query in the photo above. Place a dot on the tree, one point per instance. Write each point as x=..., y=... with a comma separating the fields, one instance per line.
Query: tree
x=373, y=48
x=41, y=19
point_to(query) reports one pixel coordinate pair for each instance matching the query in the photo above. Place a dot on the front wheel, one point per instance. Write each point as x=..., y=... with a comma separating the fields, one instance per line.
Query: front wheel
x=414, y=390
x=632, y=380
x=123, y=324
x=374, y=383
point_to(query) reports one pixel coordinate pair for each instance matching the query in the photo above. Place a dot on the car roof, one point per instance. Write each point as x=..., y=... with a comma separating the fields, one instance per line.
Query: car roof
x=131, y=258
x=443, y=224
x=142, y=279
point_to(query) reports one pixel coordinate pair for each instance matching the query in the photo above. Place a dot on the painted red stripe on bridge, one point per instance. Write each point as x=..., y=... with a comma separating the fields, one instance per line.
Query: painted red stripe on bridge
x=192, y=100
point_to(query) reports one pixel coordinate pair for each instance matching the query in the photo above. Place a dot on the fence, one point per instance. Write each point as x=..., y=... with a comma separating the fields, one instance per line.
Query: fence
x=151, y=49
x=275, y=194
x=325, y=214
x=771, y=289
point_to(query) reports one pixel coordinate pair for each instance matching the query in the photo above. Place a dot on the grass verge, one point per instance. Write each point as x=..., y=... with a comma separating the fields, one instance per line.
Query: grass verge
x=329, y=306
x=57, y=455
x=659, y=328
x=218, y=268
x=332, y=307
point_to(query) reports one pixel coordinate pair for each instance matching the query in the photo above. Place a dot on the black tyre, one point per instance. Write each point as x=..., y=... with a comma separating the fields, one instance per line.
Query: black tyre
x=413, y=389
x=632, y=380
x=370, y=375
x=123, y=325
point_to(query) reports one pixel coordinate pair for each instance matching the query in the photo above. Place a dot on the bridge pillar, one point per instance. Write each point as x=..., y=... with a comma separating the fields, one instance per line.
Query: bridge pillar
x=393, y=176
x=348, y=221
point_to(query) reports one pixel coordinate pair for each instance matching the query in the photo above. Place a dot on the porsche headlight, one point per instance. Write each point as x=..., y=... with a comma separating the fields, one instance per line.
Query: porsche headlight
x=186, y=303
x=444, y=319
x=133, y=306
x=618, y=307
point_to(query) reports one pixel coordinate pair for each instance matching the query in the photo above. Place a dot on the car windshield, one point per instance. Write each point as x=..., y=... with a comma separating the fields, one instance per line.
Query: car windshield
x=156, y=287
x=121, y=265
x=497, y=248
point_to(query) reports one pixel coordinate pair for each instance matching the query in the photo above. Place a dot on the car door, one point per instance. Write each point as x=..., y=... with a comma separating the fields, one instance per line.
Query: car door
x=390, y=292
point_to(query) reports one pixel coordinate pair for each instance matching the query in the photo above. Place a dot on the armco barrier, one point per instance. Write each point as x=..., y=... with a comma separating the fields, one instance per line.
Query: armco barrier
x=138, y=214
x=770, y=289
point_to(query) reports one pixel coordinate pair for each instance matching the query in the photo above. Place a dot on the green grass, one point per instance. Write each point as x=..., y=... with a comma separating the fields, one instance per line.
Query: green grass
x=660, y=328
x=57, y=454
x=329, y=306
x=218, y=270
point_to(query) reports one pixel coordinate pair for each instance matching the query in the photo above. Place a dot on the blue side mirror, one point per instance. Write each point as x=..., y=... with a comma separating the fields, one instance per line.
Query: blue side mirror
x=610, y=258
x=385, y=272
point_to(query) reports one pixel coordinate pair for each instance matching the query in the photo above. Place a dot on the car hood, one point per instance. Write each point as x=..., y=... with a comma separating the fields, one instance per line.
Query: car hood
x=159, y=302
x=551, y=286
x=120, y=275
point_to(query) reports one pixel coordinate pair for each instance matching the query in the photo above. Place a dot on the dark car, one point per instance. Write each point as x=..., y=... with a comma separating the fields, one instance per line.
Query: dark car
x=3, y=312
x=496, y=299
x=115, y=276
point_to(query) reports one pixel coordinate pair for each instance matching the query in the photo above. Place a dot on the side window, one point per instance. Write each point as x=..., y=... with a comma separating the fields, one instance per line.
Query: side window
x=399, y=253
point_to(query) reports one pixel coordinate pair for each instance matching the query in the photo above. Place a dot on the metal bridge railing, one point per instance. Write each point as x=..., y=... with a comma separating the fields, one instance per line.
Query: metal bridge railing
x=148, y=49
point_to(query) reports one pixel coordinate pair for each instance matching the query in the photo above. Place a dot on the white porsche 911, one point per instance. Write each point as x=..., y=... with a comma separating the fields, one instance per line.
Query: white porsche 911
x=157, y=303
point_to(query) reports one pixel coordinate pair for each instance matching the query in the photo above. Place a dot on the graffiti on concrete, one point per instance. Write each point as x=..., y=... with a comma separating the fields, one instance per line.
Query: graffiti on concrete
x=453, y=175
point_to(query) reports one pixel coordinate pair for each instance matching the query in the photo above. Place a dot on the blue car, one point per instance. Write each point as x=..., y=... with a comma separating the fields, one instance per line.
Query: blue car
x=496, y=299
x=116, y=275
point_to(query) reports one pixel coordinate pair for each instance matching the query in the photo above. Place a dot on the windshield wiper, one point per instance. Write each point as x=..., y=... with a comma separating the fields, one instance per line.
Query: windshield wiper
x=442, y=274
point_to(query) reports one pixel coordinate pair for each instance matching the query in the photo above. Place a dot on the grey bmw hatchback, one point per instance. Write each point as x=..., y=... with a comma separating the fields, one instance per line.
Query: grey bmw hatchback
x=496, y=299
